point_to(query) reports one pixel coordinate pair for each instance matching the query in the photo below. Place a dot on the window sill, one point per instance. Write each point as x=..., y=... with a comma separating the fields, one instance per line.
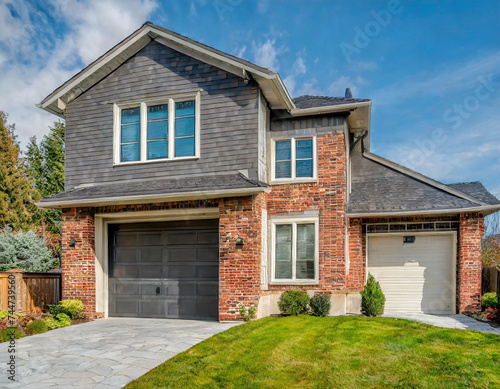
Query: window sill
x=292, y=283
x=155, y=161
x=294, y=181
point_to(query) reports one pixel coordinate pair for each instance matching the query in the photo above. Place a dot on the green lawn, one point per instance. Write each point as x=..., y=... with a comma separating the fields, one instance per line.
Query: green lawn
x=334, y=352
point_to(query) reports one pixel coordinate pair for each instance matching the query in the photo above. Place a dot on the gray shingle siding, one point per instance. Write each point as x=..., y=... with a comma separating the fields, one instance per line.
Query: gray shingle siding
x=228, y=119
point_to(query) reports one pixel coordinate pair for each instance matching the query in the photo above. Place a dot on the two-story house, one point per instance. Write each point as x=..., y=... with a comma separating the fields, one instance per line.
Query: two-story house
x=195, y=184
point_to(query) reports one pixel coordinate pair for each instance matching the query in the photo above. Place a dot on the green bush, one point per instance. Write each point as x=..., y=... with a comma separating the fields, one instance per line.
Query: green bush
x=247, y=315
x=6, y=334
x=320, y=305
x=56, y=309
x=3, y=314
x=63, y=319
x=74, y=307
x=37, y=327
x=24, y=250
x=372, y=298
x=489, y=300
x=52, y=323
x=293, y=302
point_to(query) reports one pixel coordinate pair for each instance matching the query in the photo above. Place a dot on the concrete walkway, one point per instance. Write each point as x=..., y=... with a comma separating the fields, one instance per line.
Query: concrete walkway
x=106, y=353
x=447, y=321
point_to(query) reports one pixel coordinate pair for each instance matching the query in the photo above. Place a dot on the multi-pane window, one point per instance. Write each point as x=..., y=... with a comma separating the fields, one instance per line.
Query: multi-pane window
x=163, y=130
x=130, y=134
x=157, y=131
x=184, y=128
x=294, y=158
x=295, y=251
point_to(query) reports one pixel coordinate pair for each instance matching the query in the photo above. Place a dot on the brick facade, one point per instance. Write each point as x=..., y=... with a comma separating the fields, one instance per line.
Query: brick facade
x=357, y=255
x=78, y=262
x=239, y=267
x=470, y=262
x=328, y=195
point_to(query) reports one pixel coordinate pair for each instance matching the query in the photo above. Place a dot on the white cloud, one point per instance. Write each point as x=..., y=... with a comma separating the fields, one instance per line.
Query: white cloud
x=266, y=54
x=36, y=57
x=241, y=51
x=298, y=70
x=263, y=6
x=192, y=11
x=338, y=86
x=362, y=66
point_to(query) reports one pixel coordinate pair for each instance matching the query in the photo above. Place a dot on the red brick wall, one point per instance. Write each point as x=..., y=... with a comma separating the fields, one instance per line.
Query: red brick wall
x=470, y=262
x=78, y=263
x=239, y=270
x=328, y=195
x=357, y=255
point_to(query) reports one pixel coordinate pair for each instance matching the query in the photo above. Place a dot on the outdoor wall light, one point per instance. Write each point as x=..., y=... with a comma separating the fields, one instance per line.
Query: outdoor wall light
x=239, y=241
x=72, y=243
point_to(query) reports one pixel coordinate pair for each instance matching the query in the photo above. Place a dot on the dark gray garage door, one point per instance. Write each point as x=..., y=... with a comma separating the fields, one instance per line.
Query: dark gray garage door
x=164, y=269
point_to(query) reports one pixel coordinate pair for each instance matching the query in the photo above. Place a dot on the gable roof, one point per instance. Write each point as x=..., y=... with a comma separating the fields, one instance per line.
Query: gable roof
x=270, y=83
x=381, y=187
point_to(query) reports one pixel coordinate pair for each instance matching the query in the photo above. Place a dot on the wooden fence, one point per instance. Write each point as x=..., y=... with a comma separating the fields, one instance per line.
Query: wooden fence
x=31, y=289
x=491, y=279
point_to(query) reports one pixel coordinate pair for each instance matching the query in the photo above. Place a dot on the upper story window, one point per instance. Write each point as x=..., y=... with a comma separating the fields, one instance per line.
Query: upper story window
x=157, y=130
x=294, y=159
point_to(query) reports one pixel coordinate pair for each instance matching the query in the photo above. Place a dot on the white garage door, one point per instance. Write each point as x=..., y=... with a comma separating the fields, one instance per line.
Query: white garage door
x=415, y=277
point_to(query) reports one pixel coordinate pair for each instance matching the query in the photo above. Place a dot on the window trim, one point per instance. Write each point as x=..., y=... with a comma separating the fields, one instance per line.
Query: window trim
x=294, y=179
x=143, y=143
x=294, y=222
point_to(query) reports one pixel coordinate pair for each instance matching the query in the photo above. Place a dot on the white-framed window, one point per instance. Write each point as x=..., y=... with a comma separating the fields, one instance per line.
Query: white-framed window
x=157, y=130
x=295, y=250
x=294, y=159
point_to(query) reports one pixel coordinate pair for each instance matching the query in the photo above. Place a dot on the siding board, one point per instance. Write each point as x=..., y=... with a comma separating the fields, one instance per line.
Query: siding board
x=228, y=119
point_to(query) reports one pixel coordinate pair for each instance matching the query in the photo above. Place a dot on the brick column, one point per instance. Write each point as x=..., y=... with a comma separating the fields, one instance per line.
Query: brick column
x=78, y=260
x=470, y=262
x=356, y=273
x=239, y=271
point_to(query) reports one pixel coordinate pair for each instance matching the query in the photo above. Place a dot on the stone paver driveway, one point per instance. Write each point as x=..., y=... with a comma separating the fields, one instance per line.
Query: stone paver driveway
x=106, y=353
x=461, y=322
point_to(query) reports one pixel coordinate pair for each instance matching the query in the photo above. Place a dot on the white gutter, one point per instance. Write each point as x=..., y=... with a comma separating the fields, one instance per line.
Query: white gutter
x=329, y=108
x=486, y=210
x=154, y=198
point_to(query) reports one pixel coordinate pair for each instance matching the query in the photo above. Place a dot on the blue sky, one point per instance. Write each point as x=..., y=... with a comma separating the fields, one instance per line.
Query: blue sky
x=432, y=69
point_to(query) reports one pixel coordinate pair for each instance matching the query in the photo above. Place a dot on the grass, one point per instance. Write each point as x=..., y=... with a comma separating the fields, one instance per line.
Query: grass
x=334, y=352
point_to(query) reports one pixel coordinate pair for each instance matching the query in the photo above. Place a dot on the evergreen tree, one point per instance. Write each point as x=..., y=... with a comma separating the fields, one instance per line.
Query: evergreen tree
x=45, y=163
x=17, y=194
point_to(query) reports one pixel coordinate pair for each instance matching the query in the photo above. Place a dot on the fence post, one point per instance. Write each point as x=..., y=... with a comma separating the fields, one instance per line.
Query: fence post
x=18, y=277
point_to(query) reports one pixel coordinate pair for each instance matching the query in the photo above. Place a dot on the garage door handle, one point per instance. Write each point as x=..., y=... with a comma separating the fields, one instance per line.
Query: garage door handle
x=158, y=291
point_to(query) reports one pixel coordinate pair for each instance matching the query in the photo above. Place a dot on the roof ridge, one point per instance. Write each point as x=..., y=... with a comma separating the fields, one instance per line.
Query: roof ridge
x=421, y=177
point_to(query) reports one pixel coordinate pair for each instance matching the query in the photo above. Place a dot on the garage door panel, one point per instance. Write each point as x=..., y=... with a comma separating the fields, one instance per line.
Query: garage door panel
x=171, y=270
x=415, y=277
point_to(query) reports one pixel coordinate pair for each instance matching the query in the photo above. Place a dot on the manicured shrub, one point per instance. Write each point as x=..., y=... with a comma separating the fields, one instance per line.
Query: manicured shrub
x=74, y=307
x=24, y=250
x=490, y=300
x=11, y=333
x=63, y=319
x=56, y=309
x=37, y=327
x=320, y=305
x=52, y=323
x=372, y=298
x=293, y=302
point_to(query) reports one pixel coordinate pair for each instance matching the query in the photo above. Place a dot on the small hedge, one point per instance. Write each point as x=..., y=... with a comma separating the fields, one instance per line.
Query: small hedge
x=490, y=300
x=320, y=305
x=372, y=298
x=293, y=302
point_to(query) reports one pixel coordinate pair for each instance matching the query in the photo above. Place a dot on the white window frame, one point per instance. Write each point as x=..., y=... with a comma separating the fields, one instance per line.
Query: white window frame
x=143, y=143
x=293, y=178
x=294, y=221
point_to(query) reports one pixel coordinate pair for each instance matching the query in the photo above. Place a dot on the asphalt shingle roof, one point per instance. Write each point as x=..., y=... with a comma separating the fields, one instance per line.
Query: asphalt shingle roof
x=322, y=101
x=153, y=187
x=378, y=188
